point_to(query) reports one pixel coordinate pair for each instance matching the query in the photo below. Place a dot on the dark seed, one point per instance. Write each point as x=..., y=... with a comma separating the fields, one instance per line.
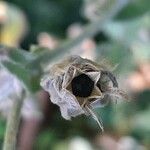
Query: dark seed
x=82, y=85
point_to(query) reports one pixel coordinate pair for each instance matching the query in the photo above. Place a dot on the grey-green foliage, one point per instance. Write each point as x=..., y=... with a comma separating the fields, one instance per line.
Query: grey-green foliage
x=122, y=30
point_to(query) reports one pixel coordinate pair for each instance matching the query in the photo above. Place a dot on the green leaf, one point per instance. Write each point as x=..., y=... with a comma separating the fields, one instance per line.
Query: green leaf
x=17, y=55
x=141, y=121
x=116, y=54
x=134, y=9
x=20, y=56
x=28, y=78
x=2, y=128
x=126, y=32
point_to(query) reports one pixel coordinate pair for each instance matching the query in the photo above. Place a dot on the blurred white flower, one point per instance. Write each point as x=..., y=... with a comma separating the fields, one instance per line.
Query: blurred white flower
x=47, y=40
x=109, y=142
x=79, y=143
x=78, y=85
x=3, y=12
x=74, y=30
x=129, y=143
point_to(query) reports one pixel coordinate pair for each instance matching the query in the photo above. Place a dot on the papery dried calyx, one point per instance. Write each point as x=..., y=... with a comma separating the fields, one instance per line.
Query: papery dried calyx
x=79, y=85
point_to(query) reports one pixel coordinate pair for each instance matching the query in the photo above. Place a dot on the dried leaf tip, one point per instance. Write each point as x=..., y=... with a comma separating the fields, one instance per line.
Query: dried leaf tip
x=94, y=116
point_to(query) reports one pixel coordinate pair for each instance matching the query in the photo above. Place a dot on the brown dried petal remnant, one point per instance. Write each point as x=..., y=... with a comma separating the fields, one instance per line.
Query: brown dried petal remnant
x=79, y=85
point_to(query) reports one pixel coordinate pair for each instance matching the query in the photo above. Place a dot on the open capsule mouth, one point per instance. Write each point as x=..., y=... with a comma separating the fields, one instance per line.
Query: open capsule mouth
x=82, y=85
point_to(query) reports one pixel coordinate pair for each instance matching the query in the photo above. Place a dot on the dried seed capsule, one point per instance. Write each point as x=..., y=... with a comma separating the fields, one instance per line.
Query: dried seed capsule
x=82, y=85
x=79, y=85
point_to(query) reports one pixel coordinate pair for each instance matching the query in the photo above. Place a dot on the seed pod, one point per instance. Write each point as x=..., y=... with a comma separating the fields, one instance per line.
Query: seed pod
x=79, y=85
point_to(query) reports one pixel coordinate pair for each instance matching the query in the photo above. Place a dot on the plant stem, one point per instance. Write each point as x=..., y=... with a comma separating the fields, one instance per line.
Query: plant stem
x=13, y=121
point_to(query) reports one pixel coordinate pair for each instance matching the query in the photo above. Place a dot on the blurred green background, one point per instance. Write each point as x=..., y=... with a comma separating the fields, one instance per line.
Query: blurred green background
x=117, y=30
